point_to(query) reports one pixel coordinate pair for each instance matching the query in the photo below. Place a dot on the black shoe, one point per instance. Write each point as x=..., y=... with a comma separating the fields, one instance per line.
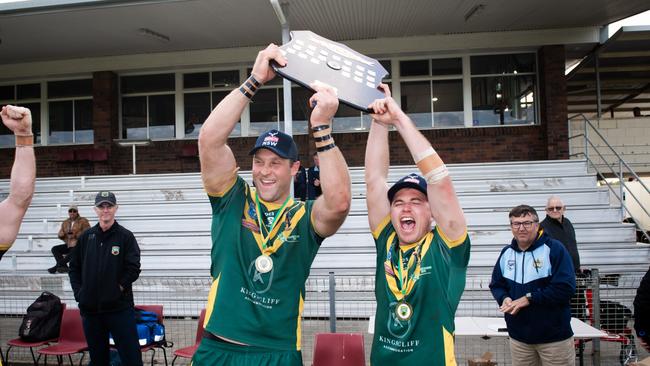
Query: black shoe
x=63, y=269
x=53, y=269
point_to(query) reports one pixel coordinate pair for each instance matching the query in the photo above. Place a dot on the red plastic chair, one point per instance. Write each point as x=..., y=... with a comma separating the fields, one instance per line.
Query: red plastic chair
x=340, y=349
x=17, y=342
x=158, y=309
x=188, y=352
x=71, y=338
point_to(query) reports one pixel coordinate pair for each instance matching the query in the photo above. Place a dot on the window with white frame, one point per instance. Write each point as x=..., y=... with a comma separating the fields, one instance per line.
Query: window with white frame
x=70, y=110
x=24, y=95
x=446, y=92
x=503, y=89
x=202, y=91
x=148, y=106
x=432, y=92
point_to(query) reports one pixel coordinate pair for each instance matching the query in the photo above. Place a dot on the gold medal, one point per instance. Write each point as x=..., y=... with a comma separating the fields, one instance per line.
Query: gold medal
x=263, y=264
x=403, y=311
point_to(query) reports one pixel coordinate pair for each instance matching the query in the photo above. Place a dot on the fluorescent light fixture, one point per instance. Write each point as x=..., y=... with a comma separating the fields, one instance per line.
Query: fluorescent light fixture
x=153, y=34
x=278, y=11
x=474, y=11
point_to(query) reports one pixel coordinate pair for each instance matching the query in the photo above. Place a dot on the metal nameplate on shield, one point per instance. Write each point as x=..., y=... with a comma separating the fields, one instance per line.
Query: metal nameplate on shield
x=312, y=58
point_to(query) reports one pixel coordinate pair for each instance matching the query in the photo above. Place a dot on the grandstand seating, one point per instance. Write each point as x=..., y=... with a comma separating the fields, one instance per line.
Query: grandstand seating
x=170, y=216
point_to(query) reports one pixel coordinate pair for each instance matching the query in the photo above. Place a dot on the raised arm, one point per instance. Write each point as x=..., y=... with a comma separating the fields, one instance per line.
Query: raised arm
x=445, y=208
x=332, y=207
x=376, y=174
x=23, y=174
x=218, y=165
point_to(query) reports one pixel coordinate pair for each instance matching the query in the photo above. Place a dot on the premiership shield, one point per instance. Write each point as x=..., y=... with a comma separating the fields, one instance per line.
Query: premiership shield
x=312, y=58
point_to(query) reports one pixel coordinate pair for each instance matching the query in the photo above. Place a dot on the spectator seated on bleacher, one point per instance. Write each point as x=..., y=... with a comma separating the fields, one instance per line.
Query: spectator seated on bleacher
x=70, y=230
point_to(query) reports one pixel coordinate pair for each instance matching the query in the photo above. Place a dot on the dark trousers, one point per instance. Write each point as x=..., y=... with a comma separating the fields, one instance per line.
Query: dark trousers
x=121, y=325
x=61, y=254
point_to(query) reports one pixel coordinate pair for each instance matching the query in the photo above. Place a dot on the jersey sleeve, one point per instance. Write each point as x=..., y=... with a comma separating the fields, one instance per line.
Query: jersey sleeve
x=455, y=255
x=315, y=237
x=220, y=201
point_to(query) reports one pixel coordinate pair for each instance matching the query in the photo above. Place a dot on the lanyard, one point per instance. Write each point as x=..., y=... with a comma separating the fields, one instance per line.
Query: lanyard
x=273, y=223
x=415, y=253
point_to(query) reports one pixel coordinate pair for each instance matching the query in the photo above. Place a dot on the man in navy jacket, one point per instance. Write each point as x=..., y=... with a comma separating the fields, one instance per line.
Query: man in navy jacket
x=104, y=265
x=533, y=281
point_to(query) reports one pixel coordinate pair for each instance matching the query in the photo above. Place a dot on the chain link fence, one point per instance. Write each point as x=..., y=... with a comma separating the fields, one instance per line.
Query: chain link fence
x=604, y=301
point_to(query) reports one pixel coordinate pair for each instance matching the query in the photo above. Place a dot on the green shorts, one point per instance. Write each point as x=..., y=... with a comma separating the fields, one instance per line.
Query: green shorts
x=219, y=353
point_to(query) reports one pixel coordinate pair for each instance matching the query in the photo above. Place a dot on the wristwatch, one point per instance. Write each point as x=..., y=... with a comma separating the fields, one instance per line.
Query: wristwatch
x=529, y=297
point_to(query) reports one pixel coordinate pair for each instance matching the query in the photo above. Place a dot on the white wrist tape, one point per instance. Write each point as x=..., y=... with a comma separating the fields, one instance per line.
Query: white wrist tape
x=417, y=157
x=436, y=175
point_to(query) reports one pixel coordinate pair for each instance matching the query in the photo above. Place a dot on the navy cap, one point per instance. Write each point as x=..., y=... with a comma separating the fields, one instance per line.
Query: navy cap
x=105, y=197
x=278, y=142
x=410, y=181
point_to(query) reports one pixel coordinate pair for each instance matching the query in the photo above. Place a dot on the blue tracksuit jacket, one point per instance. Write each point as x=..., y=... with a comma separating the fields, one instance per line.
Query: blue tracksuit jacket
x=546, y=271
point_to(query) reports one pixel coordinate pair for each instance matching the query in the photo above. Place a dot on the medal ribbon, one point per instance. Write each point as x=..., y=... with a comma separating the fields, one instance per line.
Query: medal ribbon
x=406, y=282
x=274, y=227
x=412, y=262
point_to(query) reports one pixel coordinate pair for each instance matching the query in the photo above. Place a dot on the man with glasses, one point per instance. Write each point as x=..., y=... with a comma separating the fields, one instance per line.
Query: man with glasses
x=70, y=230
x=23, y=175
x=104, y=264
x=533, y=281
x=558, y=227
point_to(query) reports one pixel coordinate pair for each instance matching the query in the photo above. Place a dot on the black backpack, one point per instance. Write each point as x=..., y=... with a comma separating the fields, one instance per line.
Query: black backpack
x=43, y=319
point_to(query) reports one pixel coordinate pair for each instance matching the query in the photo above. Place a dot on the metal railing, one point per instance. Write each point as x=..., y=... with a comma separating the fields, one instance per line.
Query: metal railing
x=617, y=167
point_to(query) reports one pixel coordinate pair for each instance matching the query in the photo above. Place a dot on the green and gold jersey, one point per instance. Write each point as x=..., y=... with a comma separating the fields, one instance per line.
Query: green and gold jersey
x=259, y=306
x=418, y=288
x=3, y=249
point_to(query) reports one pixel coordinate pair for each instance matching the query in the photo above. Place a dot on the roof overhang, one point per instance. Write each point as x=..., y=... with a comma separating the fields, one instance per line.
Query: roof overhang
x=621, y=67
x=48, y=30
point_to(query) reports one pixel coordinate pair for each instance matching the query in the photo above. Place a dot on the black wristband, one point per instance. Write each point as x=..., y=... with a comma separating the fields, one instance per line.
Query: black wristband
x=320, y=128
x=254, y=81
x=250, y=86
x=323, y=138
x=245, y=92
x=326, y=147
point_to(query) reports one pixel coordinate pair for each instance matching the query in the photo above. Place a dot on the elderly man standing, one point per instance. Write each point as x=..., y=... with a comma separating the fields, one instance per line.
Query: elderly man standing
x=264, y=242
x=421, y=270
x=533, y=282
x=23, y=175
x=70, y=230
x=560, y=228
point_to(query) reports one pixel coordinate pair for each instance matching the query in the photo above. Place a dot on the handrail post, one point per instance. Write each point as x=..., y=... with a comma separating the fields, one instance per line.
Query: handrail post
x=621, y=190
x=332, y=293
x=586, y=139
x=595, y=298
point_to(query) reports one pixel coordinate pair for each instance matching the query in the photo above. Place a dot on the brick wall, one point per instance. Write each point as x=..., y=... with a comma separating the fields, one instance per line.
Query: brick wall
x=553, y=106
x=467, y=145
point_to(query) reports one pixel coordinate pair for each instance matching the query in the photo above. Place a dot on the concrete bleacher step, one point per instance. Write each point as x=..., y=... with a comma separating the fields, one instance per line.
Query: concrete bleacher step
x=355, y=251
x=549, y=168
x=86, y=196
x=172, y=217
